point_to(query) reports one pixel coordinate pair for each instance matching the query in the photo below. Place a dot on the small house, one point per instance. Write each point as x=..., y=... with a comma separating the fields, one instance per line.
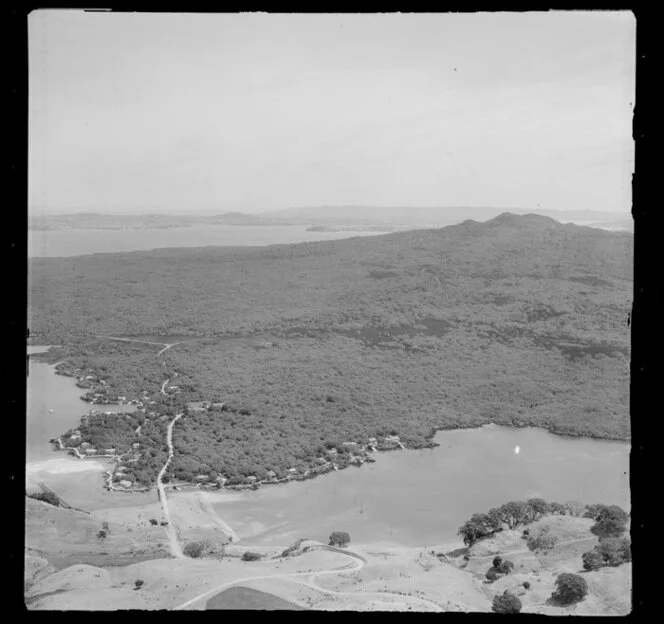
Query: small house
x=136, y=445
x=292, y=471
x=201, y=477
x=85, y=445
x=126, y=483
x=251, y=479
x=271, y=474
x=75, y=436
x=373, y=441
x=109, y=451
x=332, y=451
x=90, y=451
x=221, y=481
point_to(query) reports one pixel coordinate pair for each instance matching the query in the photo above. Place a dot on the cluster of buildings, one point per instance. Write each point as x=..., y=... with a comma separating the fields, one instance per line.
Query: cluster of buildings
x=357, y=455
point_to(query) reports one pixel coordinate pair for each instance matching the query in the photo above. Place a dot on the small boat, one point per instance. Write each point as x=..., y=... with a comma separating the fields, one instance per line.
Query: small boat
x=51, y=411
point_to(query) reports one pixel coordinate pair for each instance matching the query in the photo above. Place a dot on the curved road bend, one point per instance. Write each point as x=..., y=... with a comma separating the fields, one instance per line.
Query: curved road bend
x=361, y=561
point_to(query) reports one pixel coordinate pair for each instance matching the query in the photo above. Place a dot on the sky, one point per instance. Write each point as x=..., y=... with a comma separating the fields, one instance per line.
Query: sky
x=186, y=113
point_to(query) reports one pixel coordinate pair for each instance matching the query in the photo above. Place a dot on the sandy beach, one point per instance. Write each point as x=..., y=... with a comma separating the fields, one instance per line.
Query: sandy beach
x=63, y=465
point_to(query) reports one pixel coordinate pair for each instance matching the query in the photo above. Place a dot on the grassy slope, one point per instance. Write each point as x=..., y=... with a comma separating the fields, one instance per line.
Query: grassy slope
x=64, y=537
x=520, y=320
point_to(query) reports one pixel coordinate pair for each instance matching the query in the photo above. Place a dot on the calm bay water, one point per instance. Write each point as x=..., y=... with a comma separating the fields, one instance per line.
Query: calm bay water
x=54, y=405
x=61, y=243
x=420, y=498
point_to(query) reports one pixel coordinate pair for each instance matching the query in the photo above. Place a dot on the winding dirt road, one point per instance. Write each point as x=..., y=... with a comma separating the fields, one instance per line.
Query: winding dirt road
x=204, y=502
x=176, y=550
x=170, y=527
x=358, y=564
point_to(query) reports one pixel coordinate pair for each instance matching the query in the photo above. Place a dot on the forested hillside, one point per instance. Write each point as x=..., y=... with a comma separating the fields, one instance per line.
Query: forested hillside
x=519, y=320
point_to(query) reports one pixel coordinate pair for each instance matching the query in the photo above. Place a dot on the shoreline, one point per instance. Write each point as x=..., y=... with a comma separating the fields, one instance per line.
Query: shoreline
x=315, y=471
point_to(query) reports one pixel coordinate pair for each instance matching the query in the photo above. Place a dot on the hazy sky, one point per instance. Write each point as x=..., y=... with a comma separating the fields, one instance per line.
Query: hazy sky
x=184, y=112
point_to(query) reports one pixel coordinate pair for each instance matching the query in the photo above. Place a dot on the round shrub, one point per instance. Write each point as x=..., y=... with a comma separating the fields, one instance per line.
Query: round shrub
x=492, y=574
x=339, y=538
x=610, y=521
x=526, y=585
x=250, y=556
x=592, y=560
x=506, y=603
x=138, y=583
x=506, y=567
x=570, y=588
x=496, y=562
x=193, y=550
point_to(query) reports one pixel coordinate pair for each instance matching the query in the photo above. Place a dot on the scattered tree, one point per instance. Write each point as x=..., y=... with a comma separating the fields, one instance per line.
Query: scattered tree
x=574, y=508
x=570, y=588
x=592, y=560
x=340, y=539
x=250, y=556
x=154, y=521
x=539, y=506
x=610, y=521
x=138, y=583
x=506, y=567
x=557, y=509
x=506, y=603
x=193, y=549
x=611, y=551
x=492, y=574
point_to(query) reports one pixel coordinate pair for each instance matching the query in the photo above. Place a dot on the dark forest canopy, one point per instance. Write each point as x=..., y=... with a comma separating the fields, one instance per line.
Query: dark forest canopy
x=520, y=320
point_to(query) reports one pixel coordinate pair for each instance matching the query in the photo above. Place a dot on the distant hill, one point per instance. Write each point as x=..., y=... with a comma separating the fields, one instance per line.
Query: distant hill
x=360, y=217
x=445, y=215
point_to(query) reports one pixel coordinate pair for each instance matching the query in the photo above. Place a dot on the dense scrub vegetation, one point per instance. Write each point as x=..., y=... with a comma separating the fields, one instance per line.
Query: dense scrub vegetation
x=119, y=433
x=510, y=515
x=611, y=551
x=517, y=321
x=46, y=497
x=519, y=513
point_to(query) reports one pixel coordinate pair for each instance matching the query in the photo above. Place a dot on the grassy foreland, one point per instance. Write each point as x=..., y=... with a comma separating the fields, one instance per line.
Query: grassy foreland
x=519, y=320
